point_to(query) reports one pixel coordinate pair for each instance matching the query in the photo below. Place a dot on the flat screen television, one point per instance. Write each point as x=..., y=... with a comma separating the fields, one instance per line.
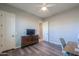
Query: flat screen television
x=30, y=31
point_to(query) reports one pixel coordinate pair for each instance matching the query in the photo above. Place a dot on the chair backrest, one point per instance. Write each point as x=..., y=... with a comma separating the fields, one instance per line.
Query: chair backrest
x=63, y=42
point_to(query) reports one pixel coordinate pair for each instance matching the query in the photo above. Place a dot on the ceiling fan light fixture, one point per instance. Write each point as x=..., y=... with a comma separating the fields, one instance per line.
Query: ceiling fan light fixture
x=44, y=8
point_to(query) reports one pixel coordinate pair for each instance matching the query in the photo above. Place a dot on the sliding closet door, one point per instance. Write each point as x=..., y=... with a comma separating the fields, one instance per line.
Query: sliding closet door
x=7, y=31
x=13, y=41
x=10, y=31
x=1, y=31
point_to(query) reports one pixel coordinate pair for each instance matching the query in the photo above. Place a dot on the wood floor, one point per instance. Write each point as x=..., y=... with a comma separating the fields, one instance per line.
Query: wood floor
x=39, y=49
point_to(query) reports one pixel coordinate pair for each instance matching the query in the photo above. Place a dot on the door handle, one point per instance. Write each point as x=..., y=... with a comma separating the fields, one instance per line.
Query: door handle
x=13, y=35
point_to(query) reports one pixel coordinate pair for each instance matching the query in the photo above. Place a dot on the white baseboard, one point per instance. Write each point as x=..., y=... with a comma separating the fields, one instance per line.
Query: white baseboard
x=55, y=43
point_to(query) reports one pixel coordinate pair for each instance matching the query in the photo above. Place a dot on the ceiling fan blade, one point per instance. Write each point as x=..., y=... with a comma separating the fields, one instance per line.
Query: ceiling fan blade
x=41, y=5
x=38, y=6
x=50, y=5
x=44, y=5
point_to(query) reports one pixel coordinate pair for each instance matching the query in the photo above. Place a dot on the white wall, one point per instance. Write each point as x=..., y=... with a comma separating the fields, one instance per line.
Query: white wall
x=24, y=21
x=64, y=25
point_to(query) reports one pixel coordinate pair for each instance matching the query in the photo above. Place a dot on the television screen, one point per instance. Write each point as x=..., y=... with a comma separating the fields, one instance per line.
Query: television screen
x=30, y=31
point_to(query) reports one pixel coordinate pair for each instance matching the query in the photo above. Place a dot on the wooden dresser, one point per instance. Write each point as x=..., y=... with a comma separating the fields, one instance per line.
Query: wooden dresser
x=29, y=40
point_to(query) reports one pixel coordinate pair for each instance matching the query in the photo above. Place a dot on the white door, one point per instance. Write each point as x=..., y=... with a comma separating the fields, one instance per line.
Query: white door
x=7, y=31
x=1, y=31
x=10, y=31
x=45, y=31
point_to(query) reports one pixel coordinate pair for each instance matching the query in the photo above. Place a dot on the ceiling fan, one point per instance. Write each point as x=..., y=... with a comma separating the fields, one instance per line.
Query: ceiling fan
x=48, y=4
x=44, y=6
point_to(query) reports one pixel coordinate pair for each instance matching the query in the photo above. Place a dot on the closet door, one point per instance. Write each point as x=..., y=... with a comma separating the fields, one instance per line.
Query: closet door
x=10, y=31
x=2, y=31
x=13, y=35
x=7, y=31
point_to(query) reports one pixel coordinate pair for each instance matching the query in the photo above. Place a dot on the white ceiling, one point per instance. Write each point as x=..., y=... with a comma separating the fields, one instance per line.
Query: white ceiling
x=34, y=8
